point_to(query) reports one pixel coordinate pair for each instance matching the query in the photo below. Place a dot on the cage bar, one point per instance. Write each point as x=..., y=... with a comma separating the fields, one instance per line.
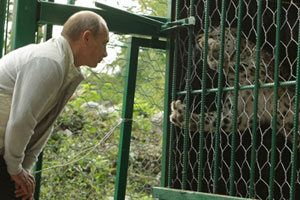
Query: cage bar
x=219, y=99
x=256, y=88
x=202, y=109
x=274, y=119
x=235, y=100
x=173, y=97
x=296, y=122
x=187, y=99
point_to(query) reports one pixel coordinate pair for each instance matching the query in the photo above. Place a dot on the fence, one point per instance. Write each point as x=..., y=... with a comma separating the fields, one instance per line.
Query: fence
x=235, y=72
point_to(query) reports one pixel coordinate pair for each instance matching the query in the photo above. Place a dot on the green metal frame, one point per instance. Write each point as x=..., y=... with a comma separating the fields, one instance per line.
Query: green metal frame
x=127, y=112
x=168, y=194
x=24, y=22
x=28, y=14
x=137, y=24
x=165, y=192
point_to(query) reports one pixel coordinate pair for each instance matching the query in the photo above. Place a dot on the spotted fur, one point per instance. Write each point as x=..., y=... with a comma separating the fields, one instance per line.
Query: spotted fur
x=285, y=113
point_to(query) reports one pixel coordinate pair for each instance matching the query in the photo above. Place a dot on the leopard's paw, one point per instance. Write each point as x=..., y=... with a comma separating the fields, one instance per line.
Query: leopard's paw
x=177, y=116
x=177, y=113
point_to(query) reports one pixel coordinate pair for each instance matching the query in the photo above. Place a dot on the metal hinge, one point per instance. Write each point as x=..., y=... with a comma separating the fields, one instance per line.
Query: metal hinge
x=190, y=21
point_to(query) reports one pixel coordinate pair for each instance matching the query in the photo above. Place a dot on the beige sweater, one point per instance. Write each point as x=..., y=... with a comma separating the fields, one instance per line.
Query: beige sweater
x=36, y=82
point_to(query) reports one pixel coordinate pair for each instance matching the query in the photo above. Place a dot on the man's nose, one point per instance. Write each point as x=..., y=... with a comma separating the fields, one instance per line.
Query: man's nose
x=105, y=53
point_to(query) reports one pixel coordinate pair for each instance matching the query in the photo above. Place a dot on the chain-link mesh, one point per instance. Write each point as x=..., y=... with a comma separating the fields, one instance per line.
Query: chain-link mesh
x=287, y=68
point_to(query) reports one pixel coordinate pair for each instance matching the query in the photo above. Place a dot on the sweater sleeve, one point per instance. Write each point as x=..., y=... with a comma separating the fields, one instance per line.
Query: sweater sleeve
x=31, y=155
x=36, y=82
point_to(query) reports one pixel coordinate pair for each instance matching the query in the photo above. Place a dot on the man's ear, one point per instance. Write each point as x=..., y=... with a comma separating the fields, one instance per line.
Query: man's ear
x=86, y=36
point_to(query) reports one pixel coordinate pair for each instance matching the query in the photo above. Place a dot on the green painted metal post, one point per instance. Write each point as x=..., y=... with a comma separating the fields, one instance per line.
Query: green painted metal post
x=187, y=98
x=235, y=100
x=173, y=97
x=255, y=108
x=296, y=121
x=203, y=94
x=38, y=176
x=165, y=170
x=127, y=112
x=2, y=23
x=165, y=155
x=219, y=100
x=24, y=22
x=276, y=84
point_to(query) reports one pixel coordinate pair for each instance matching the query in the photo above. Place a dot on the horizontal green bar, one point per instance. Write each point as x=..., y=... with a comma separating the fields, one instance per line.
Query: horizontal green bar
x=171, y=194
x=246, y=87
x=116, y=24
x=129, y=15
x=148, y=43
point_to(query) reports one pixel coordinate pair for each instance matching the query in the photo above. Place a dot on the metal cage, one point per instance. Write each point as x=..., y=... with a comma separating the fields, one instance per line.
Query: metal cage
x=257, y=161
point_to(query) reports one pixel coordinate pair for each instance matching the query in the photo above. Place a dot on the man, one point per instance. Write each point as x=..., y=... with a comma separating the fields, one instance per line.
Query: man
x=36, y=82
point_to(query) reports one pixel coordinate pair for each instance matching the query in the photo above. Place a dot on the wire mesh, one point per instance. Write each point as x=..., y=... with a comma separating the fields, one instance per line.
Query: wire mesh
x=287, y=75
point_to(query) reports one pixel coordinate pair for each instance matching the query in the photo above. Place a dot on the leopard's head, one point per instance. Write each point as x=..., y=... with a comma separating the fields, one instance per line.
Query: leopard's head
x=214, y=44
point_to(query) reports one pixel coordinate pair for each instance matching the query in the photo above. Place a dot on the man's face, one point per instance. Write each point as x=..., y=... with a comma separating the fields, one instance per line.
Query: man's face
x=97, y=48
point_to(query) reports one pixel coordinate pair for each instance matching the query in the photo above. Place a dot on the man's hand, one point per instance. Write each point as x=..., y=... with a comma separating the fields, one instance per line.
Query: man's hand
x=20, y=193
x=26, y=182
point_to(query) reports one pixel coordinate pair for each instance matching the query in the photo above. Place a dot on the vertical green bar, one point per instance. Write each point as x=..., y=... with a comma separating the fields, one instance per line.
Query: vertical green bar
x=256, y=88
x=202, y=111
x=274, y=120
x=166, y=177
x=235, y=100
x=24, y=22
x=219, y=99
x=296, y=121
x=2, y=23
x=187, y=99
x=127, y=112
x=173, y=98
x=165, y=171
x=38, y=167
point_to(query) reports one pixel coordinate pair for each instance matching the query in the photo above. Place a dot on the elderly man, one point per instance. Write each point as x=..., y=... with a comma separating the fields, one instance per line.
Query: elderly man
x=36, y=81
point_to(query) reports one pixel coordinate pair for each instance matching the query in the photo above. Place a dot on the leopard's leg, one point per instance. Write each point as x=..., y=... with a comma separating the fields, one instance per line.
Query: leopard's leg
x=177, y=113
x=225, y=121
x=177, y=116
x=286, y=114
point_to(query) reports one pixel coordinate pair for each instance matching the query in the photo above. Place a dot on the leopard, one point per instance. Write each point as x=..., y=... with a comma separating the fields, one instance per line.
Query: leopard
x=245, y=106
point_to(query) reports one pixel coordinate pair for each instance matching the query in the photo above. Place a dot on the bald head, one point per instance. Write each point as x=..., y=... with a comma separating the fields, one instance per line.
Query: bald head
x=82, y=21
